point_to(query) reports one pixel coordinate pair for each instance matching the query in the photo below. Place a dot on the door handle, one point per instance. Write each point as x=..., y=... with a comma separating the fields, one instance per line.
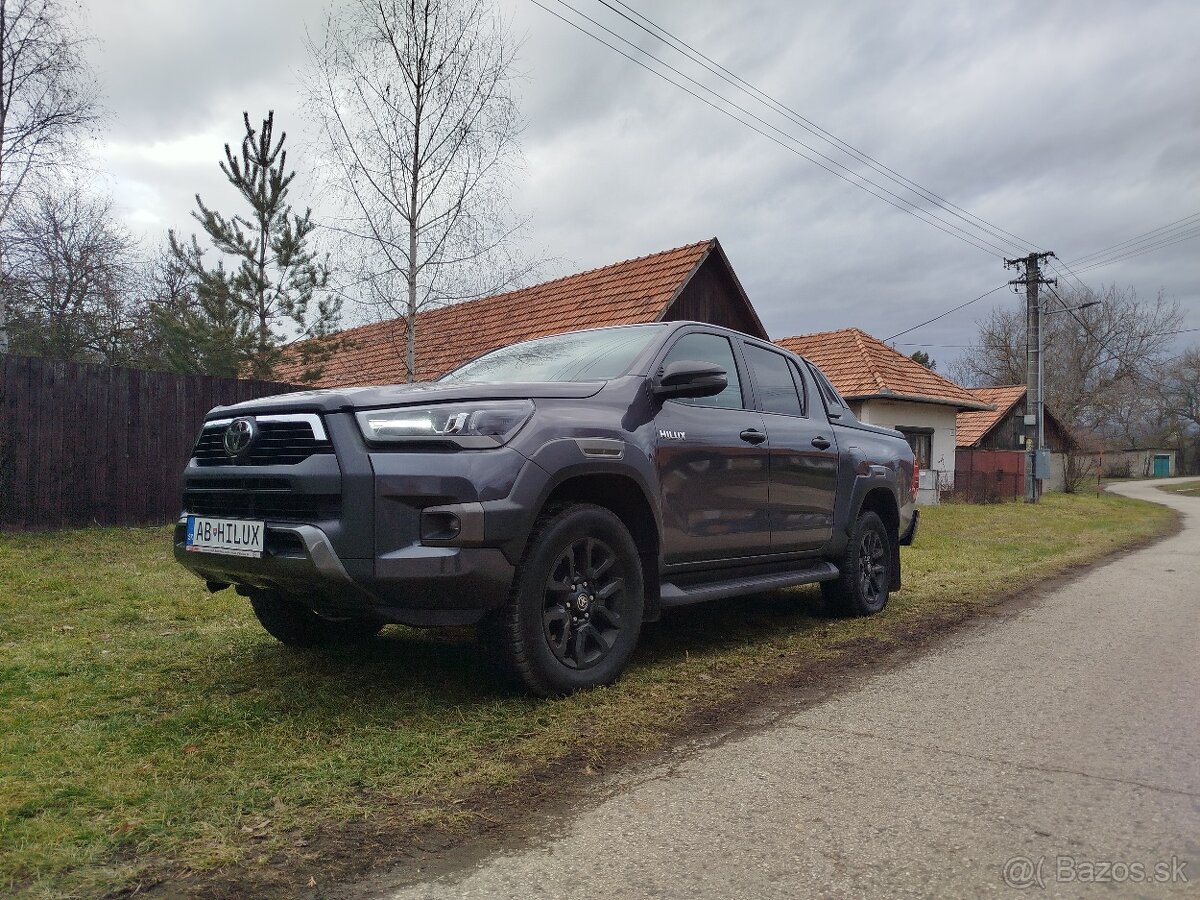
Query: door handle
x=752, y=436
x=820, y=443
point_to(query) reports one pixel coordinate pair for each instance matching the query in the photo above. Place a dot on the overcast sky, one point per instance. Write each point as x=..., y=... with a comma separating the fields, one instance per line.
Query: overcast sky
x=1072, y=125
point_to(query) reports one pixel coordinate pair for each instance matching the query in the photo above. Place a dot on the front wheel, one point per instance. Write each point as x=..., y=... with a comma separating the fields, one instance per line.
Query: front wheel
x=575, y=609
x=863, y=587
x=294, y=624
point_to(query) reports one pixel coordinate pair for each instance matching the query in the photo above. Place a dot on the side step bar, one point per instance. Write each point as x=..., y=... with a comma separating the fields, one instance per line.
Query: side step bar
x=672, y=595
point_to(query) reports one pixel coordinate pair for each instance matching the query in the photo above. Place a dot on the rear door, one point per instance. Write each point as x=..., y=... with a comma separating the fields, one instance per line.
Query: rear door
x=712, y=463
x=803, y=454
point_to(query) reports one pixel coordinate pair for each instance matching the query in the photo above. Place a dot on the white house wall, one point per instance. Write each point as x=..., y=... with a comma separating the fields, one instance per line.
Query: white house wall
x=902, y=414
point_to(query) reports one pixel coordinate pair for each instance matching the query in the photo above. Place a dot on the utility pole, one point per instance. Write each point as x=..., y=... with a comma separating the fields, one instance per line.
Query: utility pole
x=1035, y=436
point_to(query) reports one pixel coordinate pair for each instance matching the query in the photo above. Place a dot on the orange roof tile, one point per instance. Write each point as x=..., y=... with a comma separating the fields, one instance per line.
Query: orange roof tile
x=970, y=427
x=631, y=292
x=861, y=366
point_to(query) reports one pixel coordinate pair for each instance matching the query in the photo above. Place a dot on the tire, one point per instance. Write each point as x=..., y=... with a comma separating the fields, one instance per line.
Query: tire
x=575, y=608
x=863, y=587
x=291, y=622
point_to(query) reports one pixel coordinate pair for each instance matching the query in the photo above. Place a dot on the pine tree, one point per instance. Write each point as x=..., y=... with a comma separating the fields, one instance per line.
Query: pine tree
x=275, y=289
x=196, y=328
x=925, y=359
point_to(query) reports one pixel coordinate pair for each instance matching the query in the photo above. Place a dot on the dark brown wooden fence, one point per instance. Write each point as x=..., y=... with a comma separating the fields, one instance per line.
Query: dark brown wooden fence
x=85, y=444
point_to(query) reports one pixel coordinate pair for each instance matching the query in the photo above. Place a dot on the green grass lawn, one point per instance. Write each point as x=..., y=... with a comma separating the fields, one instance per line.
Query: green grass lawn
x=1189, y=488
x=149, y=729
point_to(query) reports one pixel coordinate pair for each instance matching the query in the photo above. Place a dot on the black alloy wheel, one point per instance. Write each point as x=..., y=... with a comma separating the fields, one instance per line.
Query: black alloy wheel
x=575, y=609
x=584, y=595
x=872, y=568
x=864, y=582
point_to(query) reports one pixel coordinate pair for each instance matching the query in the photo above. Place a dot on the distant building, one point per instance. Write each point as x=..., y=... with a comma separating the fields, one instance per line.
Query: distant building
x=885, y=387
x=694, y=282
x=1152, y=462
x=991, y=457
x=1003, y=428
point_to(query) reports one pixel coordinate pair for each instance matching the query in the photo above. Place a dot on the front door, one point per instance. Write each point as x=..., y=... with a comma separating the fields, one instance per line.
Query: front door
x=712, y=458
x=1162, y=466
x=804, y=453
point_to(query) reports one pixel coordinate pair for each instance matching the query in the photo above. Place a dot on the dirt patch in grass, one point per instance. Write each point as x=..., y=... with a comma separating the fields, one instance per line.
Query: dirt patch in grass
x=151, y=736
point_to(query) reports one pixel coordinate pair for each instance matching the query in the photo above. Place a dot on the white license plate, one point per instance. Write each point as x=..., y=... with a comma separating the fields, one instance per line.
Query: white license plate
x=233, y=537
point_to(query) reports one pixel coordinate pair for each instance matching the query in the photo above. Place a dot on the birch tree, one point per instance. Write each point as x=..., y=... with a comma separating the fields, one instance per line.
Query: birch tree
x=418, y=125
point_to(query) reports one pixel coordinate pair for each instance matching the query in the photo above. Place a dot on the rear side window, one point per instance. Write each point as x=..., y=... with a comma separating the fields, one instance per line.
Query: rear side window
x=773, y=379
x=832, y=399
x=711, y=348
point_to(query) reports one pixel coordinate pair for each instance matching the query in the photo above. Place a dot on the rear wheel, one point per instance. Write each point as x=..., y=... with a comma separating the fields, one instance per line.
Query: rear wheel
x=292, y=623
x=575, y=610
x=864, y=585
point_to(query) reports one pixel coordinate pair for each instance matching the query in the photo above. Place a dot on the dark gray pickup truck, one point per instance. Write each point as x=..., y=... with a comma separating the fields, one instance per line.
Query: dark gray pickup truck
x=558, y=492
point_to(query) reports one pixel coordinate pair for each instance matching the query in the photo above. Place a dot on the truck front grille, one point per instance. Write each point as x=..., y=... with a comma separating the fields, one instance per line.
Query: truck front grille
x=282, y=441
x=258, y=498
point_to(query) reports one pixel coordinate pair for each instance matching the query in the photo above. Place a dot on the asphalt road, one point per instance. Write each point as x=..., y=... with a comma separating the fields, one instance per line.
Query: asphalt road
x=1065, y=736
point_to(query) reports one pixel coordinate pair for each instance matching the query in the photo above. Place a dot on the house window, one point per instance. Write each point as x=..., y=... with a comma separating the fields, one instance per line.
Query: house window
x=921, y=441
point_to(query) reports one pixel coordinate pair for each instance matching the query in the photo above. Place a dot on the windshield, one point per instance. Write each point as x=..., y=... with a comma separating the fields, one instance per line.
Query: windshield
x=579, y=356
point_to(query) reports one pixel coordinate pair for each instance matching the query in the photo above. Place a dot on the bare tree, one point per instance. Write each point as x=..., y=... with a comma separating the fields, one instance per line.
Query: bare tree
x=1178, y=385
x=67, y=279
x=47, y=94
x=418, y=122
x=1095, y=360
x=47, y=99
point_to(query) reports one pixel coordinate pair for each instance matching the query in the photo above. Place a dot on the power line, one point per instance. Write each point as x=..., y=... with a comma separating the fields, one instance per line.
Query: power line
x=972, y=346
x=953, y=230
x=1178, y=239
x=1055, y=261
x=998, y=287
x=934, y=220
x=1137, y=239
x=760, y=96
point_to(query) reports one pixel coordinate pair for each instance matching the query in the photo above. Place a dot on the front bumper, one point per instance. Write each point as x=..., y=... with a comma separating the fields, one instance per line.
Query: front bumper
x=420, y=585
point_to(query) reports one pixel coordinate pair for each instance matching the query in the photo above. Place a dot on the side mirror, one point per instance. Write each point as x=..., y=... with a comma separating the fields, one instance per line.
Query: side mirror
x=690, y=378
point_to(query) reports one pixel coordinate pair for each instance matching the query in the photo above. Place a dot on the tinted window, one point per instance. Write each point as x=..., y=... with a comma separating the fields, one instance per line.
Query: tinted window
x=773, y=381
x=579, y=356
x=710, y=348
x=832, y=397
x=802, y=385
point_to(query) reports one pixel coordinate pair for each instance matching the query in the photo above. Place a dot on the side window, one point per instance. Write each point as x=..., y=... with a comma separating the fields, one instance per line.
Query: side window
x=832, y=400
x=801, y=385
x=773, y=381
x=711, y=348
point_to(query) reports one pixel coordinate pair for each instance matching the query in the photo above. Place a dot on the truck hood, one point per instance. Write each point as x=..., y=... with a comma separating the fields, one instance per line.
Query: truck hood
x=354, y=398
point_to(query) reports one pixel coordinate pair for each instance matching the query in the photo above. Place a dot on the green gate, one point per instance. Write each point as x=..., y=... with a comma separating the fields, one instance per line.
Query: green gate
x=1162, y=465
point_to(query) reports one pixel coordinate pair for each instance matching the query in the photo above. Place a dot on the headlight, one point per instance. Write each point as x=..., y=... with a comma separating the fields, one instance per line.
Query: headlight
x=467, y=425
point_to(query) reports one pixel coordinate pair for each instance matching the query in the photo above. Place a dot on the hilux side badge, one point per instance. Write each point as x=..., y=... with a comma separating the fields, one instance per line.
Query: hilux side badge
x=672, y=435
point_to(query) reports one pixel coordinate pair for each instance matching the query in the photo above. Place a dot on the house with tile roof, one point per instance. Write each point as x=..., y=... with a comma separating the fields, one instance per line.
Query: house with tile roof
x=1003, y=427
x=991, y=444
x=884, y=387
x=694, y=282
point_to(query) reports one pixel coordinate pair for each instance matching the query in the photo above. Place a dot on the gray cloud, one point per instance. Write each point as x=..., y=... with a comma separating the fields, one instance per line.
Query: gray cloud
x=1074, y=125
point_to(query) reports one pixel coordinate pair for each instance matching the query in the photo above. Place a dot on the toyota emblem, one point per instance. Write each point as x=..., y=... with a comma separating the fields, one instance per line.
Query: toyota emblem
x=239, y=436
